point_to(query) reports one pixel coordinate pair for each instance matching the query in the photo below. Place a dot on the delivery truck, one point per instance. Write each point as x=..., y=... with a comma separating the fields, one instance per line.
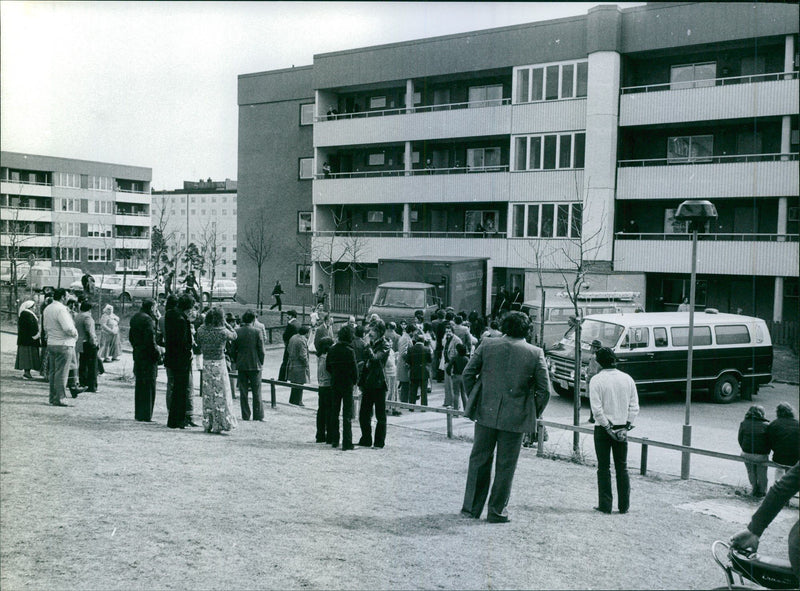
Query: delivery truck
x=428, y=283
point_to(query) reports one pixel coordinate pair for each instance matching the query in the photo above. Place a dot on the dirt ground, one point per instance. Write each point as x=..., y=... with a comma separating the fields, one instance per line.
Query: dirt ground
x=90, y=499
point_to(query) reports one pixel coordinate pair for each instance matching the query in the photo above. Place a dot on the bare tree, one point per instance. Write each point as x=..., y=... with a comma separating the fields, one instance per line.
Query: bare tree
x=257, y=244
x=161, y=239
x=210, y=248
x=15, y=234
x=338, y=251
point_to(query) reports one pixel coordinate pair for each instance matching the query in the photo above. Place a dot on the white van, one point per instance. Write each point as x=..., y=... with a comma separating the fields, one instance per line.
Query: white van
x=47, y=278
x=732, y=354
x=559, y=309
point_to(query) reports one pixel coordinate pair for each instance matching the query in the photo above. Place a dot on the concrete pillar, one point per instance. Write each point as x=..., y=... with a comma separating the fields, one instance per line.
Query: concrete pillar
x=407, y=164
x=786, y=136
x=603, y=37
x=600, y=171
x=406, y=220
x=777, y=304
x=788, y=57
x=409, y=96
x=783, y=217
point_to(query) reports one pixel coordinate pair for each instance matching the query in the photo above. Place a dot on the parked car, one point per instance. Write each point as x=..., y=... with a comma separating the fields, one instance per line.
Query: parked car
x=111, y=285
x=224, y=289
x=47, y=278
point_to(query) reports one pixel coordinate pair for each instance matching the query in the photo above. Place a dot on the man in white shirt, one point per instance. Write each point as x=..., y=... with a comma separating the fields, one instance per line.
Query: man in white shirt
x=61, y=338
x=615, y=404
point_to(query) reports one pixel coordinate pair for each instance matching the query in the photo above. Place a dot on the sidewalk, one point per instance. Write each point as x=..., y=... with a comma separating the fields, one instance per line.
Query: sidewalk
x=93, y=499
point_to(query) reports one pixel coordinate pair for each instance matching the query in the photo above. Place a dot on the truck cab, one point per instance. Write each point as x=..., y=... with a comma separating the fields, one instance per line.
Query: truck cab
x=398, y=300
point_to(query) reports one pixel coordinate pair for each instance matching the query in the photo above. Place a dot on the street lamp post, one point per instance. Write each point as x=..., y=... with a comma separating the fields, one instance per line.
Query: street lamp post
x=697, y=212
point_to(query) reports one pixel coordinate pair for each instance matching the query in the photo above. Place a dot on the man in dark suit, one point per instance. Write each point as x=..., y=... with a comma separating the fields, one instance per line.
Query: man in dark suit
x=341, y=364
x=178, y=359
x=513, y=374
x=418, y=357
x=146, y=353
x=291, y=329
x=248, y=354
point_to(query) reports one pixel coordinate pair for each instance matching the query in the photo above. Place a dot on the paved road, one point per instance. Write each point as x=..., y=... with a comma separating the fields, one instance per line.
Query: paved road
x=715, y=426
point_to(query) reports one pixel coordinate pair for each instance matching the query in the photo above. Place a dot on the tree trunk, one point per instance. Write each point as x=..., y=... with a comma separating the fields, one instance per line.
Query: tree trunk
x=576, y=406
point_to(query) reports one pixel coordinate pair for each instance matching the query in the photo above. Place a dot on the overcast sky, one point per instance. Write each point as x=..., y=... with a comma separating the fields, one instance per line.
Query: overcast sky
x=154, y=83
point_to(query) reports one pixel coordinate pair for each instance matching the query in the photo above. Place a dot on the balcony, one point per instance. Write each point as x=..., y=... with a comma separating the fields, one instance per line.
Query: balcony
x=764, y=95
x=448, y=185
x=418, y=124
x=123, y=196
x=502, y=252
x=717, y=254
x=754, y=175
x=27, y=188
x=26, y=214
x=134, y=243
x=27, y=240
x=132, y=219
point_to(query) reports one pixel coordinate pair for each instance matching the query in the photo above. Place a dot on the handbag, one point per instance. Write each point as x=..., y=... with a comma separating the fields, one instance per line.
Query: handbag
x=473, y=401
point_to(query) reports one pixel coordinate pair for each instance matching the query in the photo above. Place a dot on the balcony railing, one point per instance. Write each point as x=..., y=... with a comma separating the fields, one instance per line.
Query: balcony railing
x=27, y=207
x=709, y=159
x=737, y=237
x=24, y=182
x=728, y=81
x=401, y=234
x=121, y=190
x=136, y=213
x=415, y=172
x=415, y=109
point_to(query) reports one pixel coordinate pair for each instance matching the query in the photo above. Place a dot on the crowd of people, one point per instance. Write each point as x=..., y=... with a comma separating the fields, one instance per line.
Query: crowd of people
x=758, y=436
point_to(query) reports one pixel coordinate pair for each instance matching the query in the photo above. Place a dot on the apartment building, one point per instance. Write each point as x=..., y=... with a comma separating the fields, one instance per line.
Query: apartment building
x=203, y=213
x=539, y=145
x=90, y=215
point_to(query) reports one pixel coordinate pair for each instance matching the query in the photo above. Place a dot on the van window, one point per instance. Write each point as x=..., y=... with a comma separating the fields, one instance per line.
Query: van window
x=600, y=310
x=732, y=334
x=561, y=314
x=680, y=336
x=431, y=297
x=660, y=336
x=637, y=337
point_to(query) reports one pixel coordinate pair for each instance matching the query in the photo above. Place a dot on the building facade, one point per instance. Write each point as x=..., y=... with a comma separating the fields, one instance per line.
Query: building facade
x=539, y=146
x=90, y=215
x=203, y=213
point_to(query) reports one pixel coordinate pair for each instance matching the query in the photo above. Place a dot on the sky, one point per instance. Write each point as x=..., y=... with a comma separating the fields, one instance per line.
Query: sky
x=154, y=84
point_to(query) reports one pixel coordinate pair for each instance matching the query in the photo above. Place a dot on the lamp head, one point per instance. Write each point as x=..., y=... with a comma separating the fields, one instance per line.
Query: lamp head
x=697, y=212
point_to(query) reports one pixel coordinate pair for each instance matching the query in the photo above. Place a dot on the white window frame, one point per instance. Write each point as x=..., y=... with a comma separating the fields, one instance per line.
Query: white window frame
x=69, y=254
x=70, y=204
x=540, y=164
x=376, y=102
x=300, y=222
x=307, y=118
x=526, y=207
x=530, y=68
x=376, y=159
x=306, y=273
x=689, y=157
x=485, y=101
x=375, y=216
x=471, y=156
x=309, y=162
x=694, y=82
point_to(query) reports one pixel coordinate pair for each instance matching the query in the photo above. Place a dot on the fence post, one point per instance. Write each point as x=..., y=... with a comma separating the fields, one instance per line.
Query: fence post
x=201, y=383
x=539, y=440
x=449, y=426
x=643, y=464
x=272, y=394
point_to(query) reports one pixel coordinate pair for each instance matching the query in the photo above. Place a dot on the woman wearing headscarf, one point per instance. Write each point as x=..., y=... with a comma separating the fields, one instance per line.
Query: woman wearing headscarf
x=110, y=347
x=755, y=448
x=27, y=340
x=217, y=404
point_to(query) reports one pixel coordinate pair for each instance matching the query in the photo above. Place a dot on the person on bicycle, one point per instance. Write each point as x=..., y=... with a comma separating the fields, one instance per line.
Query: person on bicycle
x=777, y=497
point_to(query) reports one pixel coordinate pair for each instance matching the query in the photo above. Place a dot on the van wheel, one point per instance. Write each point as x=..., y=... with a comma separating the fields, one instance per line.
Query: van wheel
x=125, y=297
x=563, y=392
x=726, y=389
x=207, y=298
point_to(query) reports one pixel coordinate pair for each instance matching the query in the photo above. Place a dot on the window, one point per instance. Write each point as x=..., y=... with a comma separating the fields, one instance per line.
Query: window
x=67, y=179
x=680, y=336
x=224, y=248
x=100, y=183
x=307, y=114
x=548, y=152
x=486, y=96
x=546, y=220
x=551, y=82
x=68, y=229
x=306, y=168
x=103, y=207
x=183, y=212
x=377, y=159
x=99, y=230
x=483, y=157
x=224, y=212
x=71, y=205
x=481, y=220
x=303, y=222
x=375, y=217
x=692, y=75
x=660, y=336
x=375, y=102
x=441, y=96
x=303, y=274
x=69, y=254
x=98, y=255
x=637, y=337
x=736, y=334
x=690, y=148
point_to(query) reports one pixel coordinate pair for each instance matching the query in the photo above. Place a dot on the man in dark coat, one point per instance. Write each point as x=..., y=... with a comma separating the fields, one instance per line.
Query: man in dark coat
x=178, y=359
x=291, y=329
x=247, y=352
x=418, y=357
x=146, y=353
x=783, y=435
x=512, y=373
x=341, y=364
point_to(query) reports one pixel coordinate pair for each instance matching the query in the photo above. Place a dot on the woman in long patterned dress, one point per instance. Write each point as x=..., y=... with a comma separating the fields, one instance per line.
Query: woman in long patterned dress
x=217, y=403
x=109, y=335
x=27, y=340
